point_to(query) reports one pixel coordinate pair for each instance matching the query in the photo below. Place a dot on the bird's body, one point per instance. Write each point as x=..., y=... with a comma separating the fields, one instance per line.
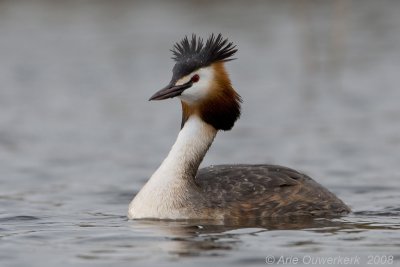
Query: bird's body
x=178, y=190
x=261, y=191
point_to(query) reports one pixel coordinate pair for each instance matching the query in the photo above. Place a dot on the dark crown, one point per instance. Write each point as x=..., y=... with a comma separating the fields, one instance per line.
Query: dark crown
x=194, y=54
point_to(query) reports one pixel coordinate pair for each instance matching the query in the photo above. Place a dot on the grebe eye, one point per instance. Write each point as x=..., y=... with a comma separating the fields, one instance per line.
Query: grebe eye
x=195, y=78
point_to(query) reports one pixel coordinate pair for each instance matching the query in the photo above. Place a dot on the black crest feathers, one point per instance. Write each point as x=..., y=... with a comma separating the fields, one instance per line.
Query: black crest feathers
x=194, y=53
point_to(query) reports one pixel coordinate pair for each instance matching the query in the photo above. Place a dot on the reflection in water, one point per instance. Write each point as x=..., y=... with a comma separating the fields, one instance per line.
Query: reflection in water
x=195, y=238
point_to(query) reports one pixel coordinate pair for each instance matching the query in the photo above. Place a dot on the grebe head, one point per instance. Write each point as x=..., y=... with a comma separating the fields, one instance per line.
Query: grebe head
x=201, y=82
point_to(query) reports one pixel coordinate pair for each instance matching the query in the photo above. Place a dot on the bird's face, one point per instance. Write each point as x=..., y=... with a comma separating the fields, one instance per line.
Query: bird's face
x=206, y=92
x=191, y=88
x=201, y=82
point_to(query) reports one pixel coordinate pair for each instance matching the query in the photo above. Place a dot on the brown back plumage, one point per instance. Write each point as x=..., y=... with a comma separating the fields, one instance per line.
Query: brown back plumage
x=256, y=191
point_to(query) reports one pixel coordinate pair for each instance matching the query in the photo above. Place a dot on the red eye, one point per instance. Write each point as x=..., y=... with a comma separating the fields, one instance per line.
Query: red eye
x=195, y=78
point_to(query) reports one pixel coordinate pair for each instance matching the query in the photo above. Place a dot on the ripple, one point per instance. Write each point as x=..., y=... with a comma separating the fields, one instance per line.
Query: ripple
x=19, y=218
x=387, y=212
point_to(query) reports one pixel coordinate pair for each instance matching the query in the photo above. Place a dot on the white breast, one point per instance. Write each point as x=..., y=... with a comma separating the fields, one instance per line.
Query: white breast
x=168, y=191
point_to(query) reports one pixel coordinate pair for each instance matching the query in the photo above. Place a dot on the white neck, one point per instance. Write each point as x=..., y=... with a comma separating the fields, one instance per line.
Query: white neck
x=166, y=188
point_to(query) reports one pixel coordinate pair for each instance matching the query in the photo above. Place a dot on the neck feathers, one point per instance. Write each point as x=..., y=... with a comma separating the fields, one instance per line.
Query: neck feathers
x=221, y=108
x=166, y=193
x=191, y=146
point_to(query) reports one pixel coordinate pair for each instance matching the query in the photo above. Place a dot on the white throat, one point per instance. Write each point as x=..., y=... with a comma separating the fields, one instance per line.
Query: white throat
x=171, y=183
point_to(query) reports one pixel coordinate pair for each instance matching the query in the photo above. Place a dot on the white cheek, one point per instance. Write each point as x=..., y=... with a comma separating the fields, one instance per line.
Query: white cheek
x=183, y=80
x=200, y=89
x=195, y=93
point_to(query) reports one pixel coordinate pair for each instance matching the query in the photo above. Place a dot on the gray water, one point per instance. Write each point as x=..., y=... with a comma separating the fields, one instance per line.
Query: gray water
x=78, y=138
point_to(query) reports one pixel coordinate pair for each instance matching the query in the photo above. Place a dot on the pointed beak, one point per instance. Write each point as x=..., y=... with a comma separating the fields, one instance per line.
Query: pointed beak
x=170, y=91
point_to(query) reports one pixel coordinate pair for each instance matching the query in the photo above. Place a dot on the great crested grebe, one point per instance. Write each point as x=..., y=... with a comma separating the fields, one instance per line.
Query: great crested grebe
x=178, y=190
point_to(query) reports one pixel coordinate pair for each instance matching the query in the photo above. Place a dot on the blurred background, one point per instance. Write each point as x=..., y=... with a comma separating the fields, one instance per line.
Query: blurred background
x=319, y=79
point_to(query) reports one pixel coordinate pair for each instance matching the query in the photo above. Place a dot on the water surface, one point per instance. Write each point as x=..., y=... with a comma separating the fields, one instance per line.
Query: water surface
x=78, y=138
